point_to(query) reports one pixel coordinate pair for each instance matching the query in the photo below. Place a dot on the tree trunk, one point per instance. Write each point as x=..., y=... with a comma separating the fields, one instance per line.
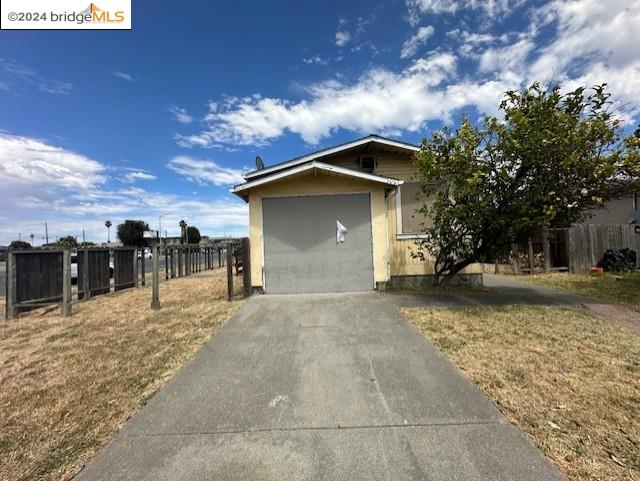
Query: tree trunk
x=457, y=267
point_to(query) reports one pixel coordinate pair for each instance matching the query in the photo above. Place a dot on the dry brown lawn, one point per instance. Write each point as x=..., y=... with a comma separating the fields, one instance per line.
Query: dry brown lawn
x=571, y=382
x=67, y=385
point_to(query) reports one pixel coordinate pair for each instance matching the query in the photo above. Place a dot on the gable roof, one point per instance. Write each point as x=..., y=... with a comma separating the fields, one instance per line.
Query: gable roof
x=331, y=150
x=240, y=189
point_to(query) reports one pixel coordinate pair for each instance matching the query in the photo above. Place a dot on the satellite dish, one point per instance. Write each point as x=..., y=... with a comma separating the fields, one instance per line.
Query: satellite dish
x=259, y=163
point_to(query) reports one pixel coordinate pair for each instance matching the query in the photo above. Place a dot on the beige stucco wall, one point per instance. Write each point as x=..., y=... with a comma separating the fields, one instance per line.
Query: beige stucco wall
x=401, y=262
x=320, y=184
x=389, y=165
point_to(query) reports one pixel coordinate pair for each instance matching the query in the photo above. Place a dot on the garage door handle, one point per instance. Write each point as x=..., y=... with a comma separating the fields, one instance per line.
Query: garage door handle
x=341, y=232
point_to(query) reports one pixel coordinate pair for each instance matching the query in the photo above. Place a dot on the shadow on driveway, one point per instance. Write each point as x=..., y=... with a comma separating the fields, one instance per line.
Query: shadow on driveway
x=499, y=290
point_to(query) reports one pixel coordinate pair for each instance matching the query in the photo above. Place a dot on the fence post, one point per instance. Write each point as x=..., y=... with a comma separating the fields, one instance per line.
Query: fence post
x=155, y=281
x=166, y=264
x=86, y=289
x=546, y=249
x=515, y=262
x=143, y=268
x=173, y=265
x=246, y=267
x=65, y=307
x=531, y=261
x=229, y=272
x=219, y=257
x=135, y=267
x=11, y=311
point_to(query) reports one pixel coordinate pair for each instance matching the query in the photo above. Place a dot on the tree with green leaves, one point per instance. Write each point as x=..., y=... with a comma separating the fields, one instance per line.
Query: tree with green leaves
x=67, y=241
x=552, y=159
x=131, y=233
x=193, y=235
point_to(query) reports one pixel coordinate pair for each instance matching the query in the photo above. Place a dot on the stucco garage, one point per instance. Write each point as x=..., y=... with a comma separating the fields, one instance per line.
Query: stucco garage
x=301, y=251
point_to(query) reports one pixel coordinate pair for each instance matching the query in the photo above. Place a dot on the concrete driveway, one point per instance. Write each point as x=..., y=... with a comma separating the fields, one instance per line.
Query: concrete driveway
x=319, y=387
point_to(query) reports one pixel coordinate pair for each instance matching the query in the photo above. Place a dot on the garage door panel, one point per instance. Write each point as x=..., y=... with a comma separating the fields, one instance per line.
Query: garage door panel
x=301, y=253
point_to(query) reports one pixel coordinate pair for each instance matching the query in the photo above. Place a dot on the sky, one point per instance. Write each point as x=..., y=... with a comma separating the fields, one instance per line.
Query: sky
x=162, y=120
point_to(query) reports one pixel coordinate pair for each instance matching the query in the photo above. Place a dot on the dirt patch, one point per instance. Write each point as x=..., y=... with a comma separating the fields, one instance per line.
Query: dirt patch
x=569, y=381
x=67, y=385
x=616, y=314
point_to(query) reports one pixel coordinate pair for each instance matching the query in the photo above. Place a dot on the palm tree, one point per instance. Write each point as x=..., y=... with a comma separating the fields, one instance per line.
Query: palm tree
x=108, y=225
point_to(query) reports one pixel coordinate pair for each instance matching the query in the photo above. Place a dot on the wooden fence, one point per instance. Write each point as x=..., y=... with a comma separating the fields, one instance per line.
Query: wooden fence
x=43, y=277
x=588, y=243
x=575, y=249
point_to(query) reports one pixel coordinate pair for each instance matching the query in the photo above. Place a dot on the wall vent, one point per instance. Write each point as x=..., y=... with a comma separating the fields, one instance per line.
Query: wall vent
x=368, y=163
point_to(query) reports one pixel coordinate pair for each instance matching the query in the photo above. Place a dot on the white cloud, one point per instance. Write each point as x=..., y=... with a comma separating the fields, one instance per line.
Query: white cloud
x=123, y=76
x=28, y=164
x=204, y=171
x=380, y=101
x=180, y=114
x=342, y=38
x=136, y=175
x=315, y=59
x=16, y=74
x=590, y=30
x=490, y=8
x=410, y=47
x=511, y=58
x=40, y=182
x=583, y=41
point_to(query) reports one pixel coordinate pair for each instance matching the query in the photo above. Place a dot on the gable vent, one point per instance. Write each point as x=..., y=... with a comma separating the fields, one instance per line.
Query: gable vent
x=368, y=163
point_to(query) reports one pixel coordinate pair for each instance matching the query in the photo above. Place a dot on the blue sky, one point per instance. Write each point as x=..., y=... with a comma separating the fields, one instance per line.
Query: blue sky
x=163, y=119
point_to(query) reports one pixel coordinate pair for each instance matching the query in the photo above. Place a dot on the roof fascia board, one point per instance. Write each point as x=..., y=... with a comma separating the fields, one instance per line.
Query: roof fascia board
x=329, y=151
x=315, y=165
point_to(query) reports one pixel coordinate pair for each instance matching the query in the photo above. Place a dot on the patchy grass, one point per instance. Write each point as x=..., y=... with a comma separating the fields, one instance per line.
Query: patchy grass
x=623, y=288
x=568, y=380
x=67, y=385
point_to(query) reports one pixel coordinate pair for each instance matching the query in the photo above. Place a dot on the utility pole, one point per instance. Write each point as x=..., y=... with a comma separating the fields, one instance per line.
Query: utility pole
x=46, y=233
x=83, y=239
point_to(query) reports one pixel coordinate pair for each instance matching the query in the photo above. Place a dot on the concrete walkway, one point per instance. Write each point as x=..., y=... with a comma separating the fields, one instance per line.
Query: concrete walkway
x=499, y=290
x=319, y=387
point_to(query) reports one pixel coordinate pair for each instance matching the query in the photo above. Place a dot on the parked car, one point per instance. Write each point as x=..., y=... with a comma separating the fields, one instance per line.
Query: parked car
x=74, y=267
x=145, y=254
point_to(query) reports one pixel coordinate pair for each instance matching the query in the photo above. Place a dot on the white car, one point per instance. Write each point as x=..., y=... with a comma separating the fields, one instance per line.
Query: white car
x=145, y=254
x=74, y=267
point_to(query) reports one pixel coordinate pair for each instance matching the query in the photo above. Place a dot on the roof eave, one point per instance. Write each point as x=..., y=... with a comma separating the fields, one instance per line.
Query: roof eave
x=329, y=151
x=241, y=189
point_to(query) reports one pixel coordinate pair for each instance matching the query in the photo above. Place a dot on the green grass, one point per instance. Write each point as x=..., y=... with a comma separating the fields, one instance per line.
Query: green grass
x=622, y=288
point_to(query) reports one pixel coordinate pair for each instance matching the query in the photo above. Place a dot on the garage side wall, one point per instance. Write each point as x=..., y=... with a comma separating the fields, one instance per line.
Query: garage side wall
x=320, y=185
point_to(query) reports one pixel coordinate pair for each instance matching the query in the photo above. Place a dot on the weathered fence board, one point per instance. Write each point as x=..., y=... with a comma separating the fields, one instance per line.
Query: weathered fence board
x=99, y=278
x=588, y=243
x=38, y=279
x=124, y=268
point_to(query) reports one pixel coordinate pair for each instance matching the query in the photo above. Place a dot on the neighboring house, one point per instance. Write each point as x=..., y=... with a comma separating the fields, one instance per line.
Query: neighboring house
x=624, y=210
x=298, y=208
